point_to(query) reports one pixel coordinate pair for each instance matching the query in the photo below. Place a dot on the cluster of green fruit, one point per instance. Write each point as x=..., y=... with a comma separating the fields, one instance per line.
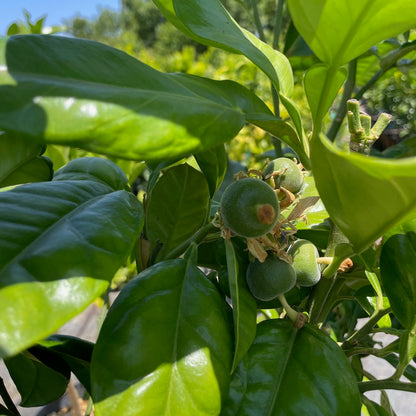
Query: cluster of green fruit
x=250, y=208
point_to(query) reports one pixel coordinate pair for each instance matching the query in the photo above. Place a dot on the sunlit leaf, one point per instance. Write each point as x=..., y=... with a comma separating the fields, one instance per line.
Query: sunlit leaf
x=365, y=196
x=340, y=30
x=165, y=347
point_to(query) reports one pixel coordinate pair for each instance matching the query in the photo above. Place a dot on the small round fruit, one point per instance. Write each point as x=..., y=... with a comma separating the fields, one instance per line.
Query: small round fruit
x=292, y=179
x=271, y=278
x=304, y=255
x=249, y=208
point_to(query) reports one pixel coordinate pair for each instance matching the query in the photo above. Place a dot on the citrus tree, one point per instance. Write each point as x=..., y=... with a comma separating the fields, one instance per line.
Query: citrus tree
x=249, y=281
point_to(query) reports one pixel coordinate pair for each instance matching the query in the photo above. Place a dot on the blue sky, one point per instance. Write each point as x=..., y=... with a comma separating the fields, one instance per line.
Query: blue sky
x=56, y=10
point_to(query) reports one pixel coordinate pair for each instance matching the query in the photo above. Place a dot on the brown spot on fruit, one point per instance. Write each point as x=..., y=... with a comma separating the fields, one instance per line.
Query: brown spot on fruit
x=266, y=214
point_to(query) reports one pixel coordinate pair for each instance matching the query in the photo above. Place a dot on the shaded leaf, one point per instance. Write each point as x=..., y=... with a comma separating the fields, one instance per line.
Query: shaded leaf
x=397, y=270
x=37, y=383
x=165, y=346
x=177, y=207
x=21, y=162
x=289, y=372
x=75, y=352
x=244, y=305
x=213, y=164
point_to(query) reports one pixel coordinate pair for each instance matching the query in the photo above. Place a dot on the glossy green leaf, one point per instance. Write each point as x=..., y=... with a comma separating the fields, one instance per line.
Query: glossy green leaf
x=60, y=244
x=290, y=372
x=177, y=207
x=21, y=162
x=322, y=86
x=75, y=352
x=37, y=383
x=244, y=305
x=397, y=269
x=92, y=96
x=213, y=164
x=339, y=31
x=93, y=169
x=211, y=24
x=165, y=347
x=365, y=196
x=286, y=133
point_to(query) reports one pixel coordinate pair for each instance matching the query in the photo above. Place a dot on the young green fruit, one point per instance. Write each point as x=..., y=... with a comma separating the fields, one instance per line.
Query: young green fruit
x=271, y=278
x=291, y=179
x=249, y=208
x=304, y=255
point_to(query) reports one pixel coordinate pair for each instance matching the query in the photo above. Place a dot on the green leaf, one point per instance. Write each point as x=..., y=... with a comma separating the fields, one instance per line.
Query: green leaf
x=211, y=24
x=317, y=213
x=375, y=409
x=5, y=412
x=89, y=95
x=75, y=352
x=244, y=305
x=289, y=372
x=165, y=347
x=397, y=269
x=37, y=383
x=21, y=162
x=60, y=244
x=322, y=86
x=286, y=133
x=93, y=169
x=177, y=207
x=339, y=31
x=213, y=164
x=364, y=196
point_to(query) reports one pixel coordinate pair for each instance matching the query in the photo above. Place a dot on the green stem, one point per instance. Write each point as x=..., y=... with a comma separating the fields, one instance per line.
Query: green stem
x=366, y=328
x=380, y=352
x=389, y=331
x=346, y=95
x=278, y=24
x=89, y=407
x=257, y=21
x=323, y=299
x=7, y=399
x=324, y=295
x=386, y=384
x=196, y=238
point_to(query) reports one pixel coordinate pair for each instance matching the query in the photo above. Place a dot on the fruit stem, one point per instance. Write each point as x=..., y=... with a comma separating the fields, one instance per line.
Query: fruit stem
x=299, y=319
x=324, y=260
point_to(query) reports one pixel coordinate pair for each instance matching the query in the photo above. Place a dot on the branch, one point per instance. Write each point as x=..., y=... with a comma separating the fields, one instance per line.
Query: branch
x=386, y=384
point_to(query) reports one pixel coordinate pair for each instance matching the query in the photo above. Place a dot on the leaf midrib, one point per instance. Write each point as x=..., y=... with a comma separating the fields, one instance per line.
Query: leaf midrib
x=277, y=384
x=80, y=83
